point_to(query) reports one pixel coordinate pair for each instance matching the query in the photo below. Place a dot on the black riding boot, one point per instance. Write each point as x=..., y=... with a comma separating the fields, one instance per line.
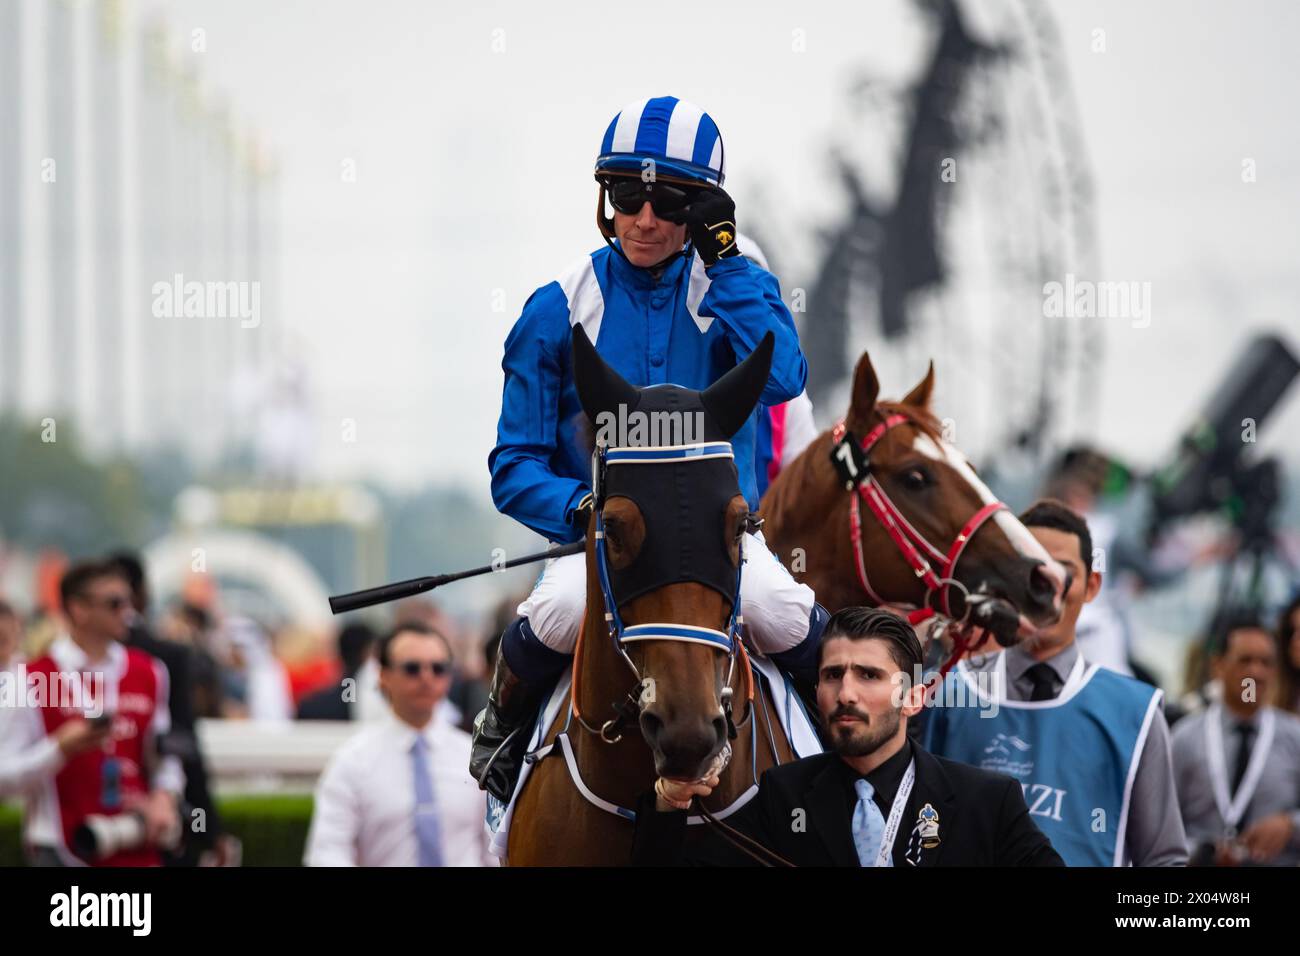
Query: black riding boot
x=501, y=731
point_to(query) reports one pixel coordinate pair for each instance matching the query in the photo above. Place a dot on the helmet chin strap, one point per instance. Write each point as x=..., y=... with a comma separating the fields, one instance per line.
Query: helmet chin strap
x=606, y=226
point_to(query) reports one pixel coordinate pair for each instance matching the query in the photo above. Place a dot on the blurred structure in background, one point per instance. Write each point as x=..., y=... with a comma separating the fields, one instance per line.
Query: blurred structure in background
x=944, y=252
x=149, y=182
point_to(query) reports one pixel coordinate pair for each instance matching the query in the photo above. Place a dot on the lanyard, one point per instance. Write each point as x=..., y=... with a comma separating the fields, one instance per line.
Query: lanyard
x=895, y=815
x=1232, y=807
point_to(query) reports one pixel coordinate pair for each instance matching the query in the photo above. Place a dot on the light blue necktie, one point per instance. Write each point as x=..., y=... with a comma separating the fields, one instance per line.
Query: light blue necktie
x=428, y=833
x=868, y=824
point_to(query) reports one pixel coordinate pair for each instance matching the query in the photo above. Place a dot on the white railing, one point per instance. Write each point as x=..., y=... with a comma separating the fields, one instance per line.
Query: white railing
x=244, y=755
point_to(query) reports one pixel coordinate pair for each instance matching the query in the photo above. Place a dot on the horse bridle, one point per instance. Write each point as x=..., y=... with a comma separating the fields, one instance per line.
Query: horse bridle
x=729, y=641
x=852, y=461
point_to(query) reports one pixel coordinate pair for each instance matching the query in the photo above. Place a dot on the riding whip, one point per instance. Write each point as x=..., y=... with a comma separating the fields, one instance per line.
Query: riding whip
x=354, y=600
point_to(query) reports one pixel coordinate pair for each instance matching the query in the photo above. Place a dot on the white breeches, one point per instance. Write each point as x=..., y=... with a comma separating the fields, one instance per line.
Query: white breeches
x=775, y=606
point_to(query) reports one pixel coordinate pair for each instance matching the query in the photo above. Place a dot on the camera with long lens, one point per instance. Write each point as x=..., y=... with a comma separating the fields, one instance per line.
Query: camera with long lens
x=1209, y=471
x=100, y=836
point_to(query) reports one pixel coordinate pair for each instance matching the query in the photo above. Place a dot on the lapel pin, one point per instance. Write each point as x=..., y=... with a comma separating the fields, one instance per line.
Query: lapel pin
x=927, y=826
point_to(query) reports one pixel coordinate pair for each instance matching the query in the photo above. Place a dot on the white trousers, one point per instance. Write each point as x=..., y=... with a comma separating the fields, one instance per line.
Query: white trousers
x=775, y=606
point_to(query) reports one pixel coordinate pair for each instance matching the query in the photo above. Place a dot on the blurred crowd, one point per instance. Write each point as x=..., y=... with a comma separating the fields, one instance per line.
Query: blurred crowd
x=414, y=688
x=242, y=668
x=97, y=619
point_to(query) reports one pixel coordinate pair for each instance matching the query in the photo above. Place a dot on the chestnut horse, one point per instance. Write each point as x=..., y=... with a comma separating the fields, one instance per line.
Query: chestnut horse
x=655, y=680
x=929, y=535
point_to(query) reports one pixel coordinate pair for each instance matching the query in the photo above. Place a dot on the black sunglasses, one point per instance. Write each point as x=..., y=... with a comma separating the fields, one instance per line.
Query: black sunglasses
x=114, y=603
x=413, y=668
x=669, y=201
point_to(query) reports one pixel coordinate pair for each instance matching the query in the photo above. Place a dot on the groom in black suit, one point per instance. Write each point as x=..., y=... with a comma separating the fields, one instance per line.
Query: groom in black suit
x=818, y=811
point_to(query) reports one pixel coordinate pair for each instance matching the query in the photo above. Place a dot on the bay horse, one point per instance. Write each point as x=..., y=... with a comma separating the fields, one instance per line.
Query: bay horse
x=662, y=683
x=880, y=509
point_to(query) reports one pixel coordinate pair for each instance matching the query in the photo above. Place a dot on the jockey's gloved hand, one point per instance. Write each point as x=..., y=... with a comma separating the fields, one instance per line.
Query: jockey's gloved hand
x=581, y=516
x=711, y=220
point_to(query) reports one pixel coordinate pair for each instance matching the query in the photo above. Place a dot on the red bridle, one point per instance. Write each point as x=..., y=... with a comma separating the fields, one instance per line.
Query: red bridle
x=916, y=550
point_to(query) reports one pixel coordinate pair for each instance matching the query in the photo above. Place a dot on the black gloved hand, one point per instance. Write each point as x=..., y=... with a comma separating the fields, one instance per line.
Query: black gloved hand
x=711, y=219
x=581, y=516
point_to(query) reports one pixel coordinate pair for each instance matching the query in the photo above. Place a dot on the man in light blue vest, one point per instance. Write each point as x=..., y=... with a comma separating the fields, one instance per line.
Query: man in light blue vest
x=1090, y=747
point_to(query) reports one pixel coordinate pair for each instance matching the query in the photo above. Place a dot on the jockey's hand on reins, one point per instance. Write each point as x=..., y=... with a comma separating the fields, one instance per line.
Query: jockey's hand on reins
x=581, y=516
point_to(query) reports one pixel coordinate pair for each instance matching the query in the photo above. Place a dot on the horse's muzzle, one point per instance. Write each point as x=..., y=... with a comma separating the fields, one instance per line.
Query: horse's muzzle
x=685, y=748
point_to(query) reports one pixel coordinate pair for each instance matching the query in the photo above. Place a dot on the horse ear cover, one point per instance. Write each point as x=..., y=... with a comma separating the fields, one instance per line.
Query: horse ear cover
x=600, y=388
x=732, y=398
x=683, y=503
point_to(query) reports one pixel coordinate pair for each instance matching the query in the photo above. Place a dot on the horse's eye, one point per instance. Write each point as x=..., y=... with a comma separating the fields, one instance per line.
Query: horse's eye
x=915, y=479
x=613, y=530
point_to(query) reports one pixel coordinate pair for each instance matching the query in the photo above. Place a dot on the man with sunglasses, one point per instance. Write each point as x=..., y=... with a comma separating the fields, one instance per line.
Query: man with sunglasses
x=100, y=709
x=397, y=793
x=669, y=299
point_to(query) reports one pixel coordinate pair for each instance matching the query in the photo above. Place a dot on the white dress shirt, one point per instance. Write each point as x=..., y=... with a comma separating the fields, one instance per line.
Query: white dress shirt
x=365, y=800
x=21, y=762
x=29, y=759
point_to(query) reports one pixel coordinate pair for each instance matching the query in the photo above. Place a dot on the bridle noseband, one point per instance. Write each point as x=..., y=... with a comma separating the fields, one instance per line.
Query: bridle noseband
x=852, y=461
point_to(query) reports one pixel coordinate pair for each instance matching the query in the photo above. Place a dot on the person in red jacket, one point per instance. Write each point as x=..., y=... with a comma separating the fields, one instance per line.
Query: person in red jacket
x=122, y=789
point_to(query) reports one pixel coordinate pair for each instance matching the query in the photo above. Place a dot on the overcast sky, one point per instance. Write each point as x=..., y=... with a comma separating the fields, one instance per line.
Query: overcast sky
x=474, y=175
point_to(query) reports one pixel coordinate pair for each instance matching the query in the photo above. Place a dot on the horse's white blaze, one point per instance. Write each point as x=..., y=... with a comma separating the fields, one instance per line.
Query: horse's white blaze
x=1024, y=542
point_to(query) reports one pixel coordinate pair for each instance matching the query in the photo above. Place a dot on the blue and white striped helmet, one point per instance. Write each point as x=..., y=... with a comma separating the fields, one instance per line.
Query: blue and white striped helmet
x=681, y=139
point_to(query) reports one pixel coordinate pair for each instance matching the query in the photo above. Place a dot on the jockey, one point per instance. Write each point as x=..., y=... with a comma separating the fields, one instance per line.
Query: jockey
x=784, y=430
x=669, y=299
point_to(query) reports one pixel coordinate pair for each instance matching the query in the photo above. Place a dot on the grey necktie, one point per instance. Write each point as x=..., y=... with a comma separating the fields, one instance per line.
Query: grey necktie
x=428, y=830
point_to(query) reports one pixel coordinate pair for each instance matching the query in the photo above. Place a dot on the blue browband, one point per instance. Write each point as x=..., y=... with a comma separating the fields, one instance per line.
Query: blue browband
x=676, y=632
x=605, y=457
x=668, y=453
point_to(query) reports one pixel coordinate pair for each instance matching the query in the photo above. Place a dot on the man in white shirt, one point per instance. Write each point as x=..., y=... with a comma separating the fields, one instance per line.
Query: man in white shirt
x=399, y=793
x=22, y=764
